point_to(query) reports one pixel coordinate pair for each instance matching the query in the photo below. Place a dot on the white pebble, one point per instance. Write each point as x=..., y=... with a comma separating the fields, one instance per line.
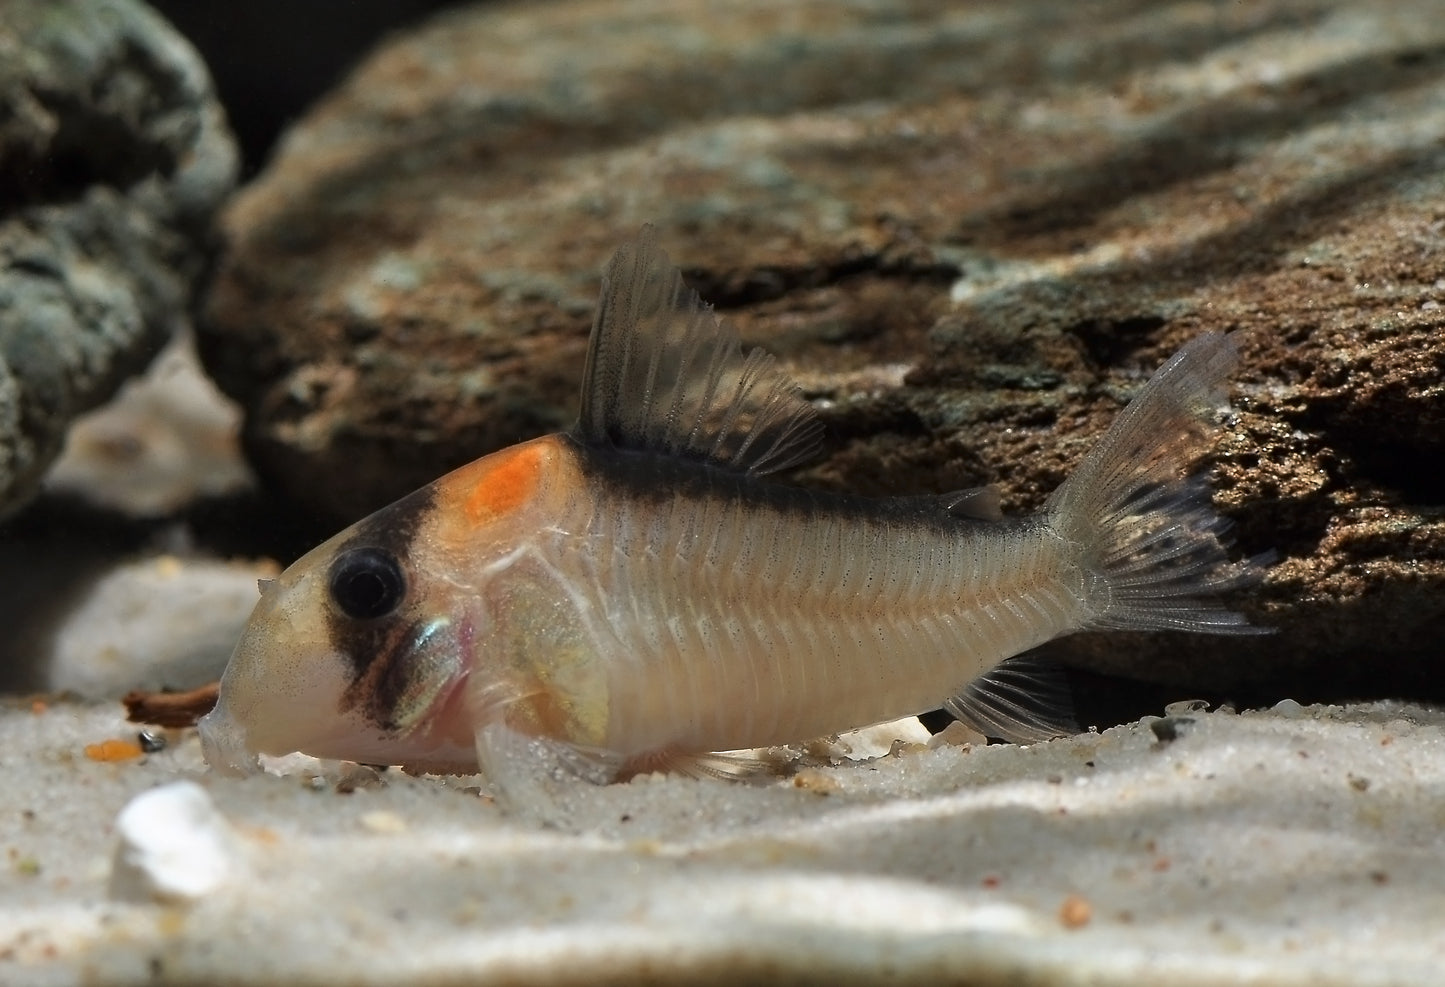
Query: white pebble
x=957, y=734
x=175, y=846
x=1287, y=708
x=382, y=821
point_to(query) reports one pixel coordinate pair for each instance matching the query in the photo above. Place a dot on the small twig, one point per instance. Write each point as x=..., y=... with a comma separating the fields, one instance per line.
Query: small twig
x=170, y=709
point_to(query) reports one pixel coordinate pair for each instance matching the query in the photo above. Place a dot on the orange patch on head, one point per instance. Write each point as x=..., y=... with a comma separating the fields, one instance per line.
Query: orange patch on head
x=509, y=482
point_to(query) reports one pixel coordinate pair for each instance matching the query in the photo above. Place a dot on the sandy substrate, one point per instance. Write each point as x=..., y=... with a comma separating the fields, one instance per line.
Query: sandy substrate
x=1290, y=847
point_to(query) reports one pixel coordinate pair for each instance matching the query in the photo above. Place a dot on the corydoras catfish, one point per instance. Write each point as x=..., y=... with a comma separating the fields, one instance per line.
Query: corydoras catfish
x=634, y=593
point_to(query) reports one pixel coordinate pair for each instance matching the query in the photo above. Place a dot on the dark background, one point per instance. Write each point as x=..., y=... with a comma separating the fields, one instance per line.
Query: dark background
x=271, y=58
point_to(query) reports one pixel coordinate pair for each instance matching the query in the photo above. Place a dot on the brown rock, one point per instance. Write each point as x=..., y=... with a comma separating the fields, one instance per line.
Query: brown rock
x=970, y=230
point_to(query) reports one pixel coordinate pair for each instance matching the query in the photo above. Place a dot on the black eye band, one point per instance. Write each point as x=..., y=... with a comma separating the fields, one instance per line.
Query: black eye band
x=367, y=583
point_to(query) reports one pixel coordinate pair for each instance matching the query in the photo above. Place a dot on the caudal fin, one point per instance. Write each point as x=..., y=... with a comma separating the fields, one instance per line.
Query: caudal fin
x=1149, y=534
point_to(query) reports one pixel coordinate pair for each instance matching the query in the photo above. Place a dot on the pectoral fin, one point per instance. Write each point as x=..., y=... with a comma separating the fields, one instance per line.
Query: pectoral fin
x=538, y=777
x=719, y=765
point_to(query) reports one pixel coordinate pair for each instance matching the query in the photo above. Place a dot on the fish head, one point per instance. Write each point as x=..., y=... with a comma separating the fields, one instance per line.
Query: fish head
x=351, y=653
x=362, y=648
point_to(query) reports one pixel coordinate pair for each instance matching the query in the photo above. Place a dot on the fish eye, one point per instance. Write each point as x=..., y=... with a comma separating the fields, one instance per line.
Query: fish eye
x=367, y=583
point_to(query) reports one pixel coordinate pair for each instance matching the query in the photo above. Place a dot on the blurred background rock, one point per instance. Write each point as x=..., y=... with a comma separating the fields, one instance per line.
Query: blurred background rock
x=114, y=156
x=270, y=59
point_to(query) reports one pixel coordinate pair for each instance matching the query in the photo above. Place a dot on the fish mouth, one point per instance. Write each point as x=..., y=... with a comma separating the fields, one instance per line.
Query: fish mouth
x=229, y=748
x=443, y=745
x=224, y=744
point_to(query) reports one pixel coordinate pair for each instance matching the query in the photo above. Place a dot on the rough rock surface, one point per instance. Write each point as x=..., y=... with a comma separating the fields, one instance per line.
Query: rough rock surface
x=970, y=229
x=113, y=158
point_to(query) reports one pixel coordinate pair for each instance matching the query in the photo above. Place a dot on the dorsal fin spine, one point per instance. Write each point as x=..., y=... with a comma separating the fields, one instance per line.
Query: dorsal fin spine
x=665, y=374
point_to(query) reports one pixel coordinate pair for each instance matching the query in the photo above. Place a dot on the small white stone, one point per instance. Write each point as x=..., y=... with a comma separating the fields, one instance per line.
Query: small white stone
x=1287, y=708
x=957, y=734
x=878, y=740
x=382, y=821
x=175, y=846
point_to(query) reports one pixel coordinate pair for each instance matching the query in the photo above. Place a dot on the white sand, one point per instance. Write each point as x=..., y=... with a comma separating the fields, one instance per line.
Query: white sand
x=1303, y=848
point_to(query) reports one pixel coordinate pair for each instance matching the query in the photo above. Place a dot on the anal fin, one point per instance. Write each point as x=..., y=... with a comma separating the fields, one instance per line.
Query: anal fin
x=1024, y=700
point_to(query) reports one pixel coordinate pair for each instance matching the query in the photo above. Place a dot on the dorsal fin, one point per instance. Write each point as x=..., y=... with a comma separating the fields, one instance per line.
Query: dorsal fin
x=665, y=374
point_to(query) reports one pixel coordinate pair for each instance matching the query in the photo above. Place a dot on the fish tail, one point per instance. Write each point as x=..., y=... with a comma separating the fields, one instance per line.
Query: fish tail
x=1143, y=519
